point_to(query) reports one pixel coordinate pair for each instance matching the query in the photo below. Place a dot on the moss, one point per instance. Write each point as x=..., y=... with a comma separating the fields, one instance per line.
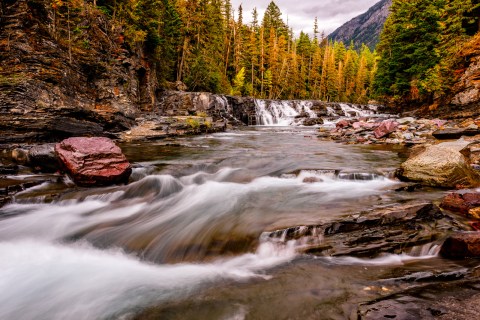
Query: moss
x=12, y=79
x=193, y=123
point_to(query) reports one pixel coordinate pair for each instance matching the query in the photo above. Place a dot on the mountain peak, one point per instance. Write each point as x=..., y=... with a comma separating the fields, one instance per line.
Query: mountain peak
x=365, y=28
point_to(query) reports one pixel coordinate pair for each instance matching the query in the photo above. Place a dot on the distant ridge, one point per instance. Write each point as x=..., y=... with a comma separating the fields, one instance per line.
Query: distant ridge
x=365, y=28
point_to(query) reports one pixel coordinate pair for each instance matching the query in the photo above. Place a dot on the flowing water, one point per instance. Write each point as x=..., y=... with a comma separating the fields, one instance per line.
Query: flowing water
x=185, y=239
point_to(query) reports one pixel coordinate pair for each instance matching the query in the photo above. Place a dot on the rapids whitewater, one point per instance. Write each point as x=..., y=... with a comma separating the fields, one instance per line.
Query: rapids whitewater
x=185, y=240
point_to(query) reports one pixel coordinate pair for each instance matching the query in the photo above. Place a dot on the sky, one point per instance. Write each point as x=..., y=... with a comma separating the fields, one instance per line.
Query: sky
x=301, y=14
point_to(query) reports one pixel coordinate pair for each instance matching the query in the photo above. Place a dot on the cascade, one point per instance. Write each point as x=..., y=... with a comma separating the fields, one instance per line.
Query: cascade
x=294, y=112
x=282, y=112
x=357, y=111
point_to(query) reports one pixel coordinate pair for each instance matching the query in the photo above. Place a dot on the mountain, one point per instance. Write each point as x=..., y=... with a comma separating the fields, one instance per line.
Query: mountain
x=365, y=28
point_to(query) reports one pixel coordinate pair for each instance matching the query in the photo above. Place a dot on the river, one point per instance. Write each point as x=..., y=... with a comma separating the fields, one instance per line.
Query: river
x=187, y=238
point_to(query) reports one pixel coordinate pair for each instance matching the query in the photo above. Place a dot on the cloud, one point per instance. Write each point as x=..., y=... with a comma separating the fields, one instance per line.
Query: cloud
x=300, y=14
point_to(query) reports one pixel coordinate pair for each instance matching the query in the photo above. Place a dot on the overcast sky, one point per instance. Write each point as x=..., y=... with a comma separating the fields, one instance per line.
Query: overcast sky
x=301, y=13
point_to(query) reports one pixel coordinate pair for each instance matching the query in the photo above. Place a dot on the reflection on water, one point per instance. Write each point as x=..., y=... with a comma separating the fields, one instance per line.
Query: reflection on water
x=185, y=234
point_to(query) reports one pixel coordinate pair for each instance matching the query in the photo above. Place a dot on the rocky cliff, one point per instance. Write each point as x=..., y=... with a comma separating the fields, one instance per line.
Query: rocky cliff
x=365, y=28
x=463, y=101
x=466, y=91
x=51, y=87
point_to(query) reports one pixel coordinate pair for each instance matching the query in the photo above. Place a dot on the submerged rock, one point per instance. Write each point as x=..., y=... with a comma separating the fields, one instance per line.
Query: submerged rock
x=93, y=161
x=461, y=245
x=391, y=230
x=441, y=165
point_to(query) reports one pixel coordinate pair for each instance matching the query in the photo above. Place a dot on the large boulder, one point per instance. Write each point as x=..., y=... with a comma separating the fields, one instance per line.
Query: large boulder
x=441, y=165
x=93, y=161
x=461, y=245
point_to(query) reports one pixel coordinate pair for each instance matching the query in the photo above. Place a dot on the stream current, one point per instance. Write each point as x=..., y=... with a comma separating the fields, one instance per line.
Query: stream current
x=185, y=240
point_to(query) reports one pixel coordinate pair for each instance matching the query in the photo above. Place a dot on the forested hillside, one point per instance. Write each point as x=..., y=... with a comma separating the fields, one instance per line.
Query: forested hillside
x=420, y=51
x=207, y=46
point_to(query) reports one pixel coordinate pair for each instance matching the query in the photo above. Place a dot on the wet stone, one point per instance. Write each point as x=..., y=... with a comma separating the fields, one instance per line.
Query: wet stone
x=390, y=230
x=461, y=245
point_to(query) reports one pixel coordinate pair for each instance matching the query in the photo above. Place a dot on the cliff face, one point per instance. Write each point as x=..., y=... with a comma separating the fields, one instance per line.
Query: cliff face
x=50, y=89
x=365, y=28
x=467, y=89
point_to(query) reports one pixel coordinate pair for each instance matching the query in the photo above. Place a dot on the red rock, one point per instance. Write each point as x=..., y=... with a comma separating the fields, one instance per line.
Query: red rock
x=357, y=125
x=342, y=124
x=93, y=161
x=475, y=225
x=461, y=245
x=361, y=124
x=461, y=203
x=439, y=123
x=385, y=128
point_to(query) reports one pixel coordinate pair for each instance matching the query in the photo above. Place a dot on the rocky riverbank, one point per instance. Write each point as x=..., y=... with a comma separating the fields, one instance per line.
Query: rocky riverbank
x=397, y=130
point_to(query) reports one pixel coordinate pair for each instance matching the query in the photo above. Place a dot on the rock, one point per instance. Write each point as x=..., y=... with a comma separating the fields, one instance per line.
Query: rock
x=9, y=169
x=439, y=123
x=93, y=161
x=461, y=245
x=66, y=126
x=393, y=229
x=385, y=128
x=342, y=124
x=43, y=158
x=461, y=203
x=47, y=96
x=406, y=120
x=392, y=310
x=454, y=133
x=312, y=180
x=474, y=213
x=312, y=121
x=20, y=155
x=323, y=135
x=441, y=165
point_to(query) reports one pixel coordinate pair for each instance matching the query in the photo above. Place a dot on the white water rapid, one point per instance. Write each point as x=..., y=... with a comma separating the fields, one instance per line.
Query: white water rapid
x=193, y=235
x=294, y=112
x=282, y=112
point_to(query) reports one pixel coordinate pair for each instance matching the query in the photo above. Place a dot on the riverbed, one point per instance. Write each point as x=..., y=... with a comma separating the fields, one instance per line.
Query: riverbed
x=187, y=237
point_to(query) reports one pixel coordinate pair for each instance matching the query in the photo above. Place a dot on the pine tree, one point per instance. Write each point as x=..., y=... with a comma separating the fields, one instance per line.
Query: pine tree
x=407, y=47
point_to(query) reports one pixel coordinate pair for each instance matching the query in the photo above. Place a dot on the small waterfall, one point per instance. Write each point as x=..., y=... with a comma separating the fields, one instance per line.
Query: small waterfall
x=357, y=111
x=283, y=112
x=331, y=112
x=296, y=112
x=429, y=249
x=219, y=102
x=275, y=113
x=298, y=237
x=306, y=106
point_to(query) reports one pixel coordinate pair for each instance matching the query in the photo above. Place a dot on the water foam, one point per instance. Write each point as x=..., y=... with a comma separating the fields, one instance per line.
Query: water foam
x=41, y=280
